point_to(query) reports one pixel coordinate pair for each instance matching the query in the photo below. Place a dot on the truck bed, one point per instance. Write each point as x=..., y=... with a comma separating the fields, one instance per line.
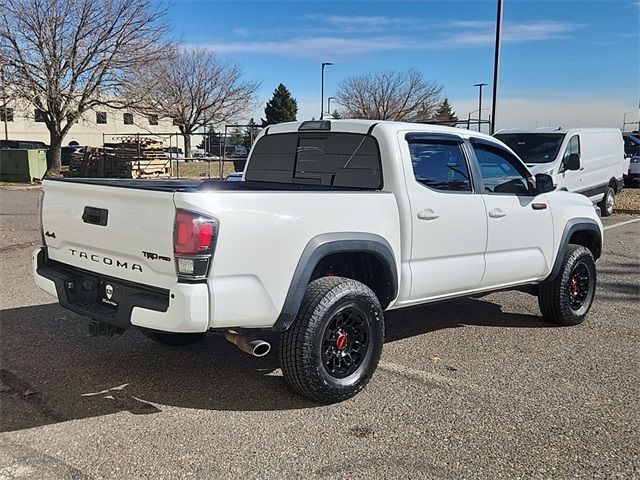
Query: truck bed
x=203, y=185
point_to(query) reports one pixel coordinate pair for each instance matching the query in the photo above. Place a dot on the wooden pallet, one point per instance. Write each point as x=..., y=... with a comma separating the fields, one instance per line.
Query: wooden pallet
x=116, y=160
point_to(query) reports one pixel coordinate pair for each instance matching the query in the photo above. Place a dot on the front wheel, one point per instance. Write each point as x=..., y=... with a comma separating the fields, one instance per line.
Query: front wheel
x=333, y=347
x=608, y=202
x=566, y=298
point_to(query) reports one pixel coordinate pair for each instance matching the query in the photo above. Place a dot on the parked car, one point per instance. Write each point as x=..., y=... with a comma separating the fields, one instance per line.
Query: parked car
x=336, y=222
x=589, y=161
x=23, y=144
x=240, y=151
x=174, y=152
x=632, y=153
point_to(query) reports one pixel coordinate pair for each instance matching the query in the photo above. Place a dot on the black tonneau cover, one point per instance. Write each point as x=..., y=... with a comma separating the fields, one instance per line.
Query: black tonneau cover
x=200, y=185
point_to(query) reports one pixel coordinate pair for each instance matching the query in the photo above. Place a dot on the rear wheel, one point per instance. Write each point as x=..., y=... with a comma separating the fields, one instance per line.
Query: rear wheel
x=332, y=349
x=567, y=298
x=608, y=201
x=174, y=339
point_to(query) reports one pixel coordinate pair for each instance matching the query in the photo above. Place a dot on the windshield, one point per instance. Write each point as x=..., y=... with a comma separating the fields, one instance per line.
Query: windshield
x=533, y=147
x=333, y=159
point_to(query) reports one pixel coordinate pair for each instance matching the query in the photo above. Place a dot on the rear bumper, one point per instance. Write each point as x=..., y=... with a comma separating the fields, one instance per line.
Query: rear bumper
x=182, y=309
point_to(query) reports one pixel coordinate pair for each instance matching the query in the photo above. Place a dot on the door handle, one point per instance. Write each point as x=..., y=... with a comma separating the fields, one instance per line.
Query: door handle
x=497, y=213
x=428, y=214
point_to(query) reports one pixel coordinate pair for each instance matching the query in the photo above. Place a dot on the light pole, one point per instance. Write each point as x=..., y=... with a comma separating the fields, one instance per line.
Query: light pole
x=496, y=68
x=324, y=64
x=480, y=101
x=329, y=104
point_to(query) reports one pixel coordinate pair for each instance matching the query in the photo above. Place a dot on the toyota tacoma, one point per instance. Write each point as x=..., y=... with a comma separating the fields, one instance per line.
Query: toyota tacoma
x=333, y=223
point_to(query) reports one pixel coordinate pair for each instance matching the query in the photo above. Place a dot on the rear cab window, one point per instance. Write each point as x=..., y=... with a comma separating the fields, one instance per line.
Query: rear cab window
x=330, y=159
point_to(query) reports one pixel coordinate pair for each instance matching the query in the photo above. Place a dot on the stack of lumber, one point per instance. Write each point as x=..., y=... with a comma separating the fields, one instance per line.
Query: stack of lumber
x=92, y=162
x=129, y=158
x=146, y=155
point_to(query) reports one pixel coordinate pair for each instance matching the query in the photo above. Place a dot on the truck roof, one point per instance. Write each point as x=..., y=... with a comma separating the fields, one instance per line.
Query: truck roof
x=558, y=130
x=363, y=126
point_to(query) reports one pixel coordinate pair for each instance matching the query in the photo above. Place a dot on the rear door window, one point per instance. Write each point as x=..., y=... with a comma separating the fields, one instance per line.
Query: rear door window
x=440, y=165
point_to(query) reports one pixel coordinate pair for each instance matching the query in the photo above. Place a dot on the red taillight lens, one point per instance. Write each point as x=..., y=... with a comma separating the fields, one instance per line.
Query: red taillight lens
x=194, y=234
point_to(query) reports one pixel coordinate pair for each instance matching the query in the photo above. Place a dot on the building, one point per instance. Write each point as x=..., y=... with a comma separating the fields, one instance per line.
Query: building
x=24, y=122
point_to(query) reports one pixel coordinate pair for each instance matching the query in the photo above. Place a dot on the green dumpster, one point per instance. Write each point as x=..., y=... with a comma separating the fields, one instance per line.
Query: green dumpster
x=22, y=166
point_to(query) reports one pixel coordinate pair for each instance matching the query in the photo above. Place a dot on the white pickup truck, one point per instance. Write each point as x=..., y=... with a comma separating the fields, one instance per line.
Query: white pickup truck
x=334, y=223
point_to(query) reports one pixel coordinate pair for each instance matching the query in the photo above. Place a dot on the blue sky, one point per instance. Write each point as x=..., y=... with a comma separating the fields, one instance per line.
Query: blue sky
x=562, y=62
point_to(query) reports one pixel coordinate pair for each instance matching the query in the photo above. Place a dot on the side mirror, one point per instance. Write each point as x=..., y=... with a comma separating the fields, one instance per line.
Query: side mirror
x=572, y=162
x=544, y=183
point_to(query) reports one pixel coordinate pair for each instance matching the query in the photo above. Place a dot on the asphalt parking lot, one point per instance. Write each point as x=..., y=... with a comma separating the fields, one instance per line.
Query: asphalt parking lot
x=474, y=388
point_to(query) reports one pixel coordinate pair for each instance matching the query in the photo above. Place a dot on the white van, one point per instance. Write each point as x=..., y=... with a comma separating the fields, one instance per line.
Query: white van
x=582, y=160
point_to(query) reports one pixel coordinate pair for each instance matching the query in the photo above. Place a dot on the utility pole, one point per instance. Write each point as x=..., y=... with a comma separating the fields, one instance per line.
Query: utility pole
x=324, y=64
x=480, y=103
x=496, y=67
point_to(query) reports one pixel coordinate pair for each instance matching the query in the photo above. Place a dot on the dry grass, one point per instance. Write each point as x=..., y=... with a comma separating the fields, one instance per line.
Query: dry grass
x=199, y=169
x=629, y=199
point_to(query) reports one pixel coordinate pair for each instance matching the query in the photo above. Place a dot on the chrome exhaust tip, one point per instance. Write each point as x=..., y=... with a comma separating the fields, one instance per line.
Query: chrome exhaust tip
x=254, y=347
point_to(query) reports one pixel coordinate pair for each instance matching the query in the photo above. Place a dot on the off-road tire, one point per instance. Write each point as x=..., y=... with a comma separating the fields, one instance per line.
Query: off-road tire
x=174, y=339
x=606, y=206
x=303, y=347
x=554, y=295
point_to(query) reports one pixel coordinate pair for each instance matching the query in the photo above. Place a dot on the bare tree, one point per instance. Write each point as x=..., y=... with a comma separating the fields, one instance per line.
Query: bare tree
x=195, y=88
x=69, y=56
x=391, y=95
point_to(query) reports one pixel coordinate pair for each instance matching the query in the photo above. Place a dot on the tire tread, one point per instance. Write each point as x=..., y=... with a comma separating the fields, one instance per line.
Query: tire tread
x=553, y=305
x=299, y=373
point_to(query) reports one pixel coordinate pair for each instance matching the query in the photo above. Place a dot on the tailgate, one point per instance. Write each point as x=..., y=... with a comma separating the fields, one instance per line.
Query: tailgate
x=125, y=233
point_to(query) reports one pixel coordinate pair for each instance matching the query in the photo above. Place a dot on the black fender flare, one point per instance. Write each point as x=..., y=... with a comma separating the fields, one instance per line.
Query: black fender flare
x=326, y=244
x=575, y=225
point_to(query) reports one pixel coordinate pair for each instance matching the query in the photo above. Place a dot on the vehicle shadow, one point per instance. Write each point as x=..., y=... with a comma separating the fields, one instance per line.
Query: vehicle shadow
x=52, y=371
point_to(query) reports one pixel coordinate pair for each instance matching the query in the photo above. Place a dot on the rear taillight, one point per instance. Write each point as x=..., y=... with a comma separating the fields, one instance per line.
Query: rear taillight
x=40, y=207
x=194, y=239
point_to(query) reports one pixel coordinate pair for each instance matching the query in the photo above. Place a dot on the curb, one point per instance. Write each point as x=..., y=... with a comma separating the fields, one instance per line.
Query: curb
x=626, y=211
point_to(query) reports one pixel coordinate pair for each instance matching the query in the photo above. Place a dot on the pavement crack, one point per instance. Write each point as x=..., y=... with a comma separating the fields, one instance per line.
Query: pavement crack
x=17, y=246
x=11, y=384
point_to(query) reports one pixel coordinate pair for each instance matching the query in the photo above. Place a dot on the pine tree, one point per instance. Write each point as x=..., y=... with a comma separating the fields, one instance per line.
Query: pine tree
x=445, y=113
x=336, y=114
x=281, y=108
x=250, y=133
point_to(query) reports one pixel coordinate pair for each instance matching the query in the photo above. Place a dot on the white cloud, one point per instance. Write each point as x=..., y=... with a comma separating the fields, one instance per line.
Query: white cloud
x=313, y=47
x=353, y=23
x=483, y=33
x=343, y=41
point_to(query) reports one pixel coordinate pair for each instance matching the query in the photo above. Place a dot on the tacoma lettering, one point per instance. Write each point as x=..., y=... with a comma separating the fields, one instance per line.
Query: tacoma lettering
x=106, y=260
